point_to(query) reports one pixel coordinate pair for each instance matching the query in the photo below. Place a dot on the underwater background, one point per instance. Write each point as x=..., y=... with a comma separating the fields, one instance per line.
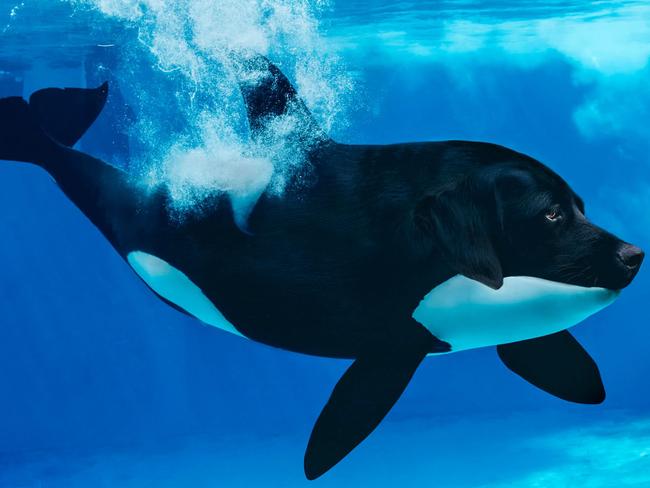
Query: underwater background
x=103, y=385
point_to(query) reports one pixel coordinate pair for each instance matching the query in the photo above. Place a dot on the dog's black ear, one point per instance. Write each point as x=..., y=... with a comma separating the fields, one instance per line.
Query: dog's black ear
x=460, y=229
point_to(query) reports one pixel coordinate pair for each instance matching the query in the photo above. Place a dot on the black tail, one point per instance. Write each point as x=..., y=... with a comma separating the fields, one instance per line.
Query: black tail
x=28, y=131
x=21, y=138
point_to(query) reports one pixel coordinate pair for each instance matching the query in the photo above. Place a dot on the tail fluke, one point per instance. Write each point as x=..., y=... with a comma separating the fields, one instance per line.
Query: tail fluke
x=66, y=114
x=28, y=131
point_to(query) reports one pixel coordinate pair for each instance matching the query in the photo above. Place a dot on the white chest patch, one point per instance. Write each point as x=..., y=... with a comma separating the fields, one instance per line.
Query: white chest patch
x=174, y=286
x=468, y=314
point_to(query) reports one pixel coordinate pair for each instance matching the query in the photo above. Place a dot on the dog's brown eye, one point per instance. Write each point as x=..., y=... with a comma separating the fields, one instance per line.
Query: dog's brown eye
x=554, y=214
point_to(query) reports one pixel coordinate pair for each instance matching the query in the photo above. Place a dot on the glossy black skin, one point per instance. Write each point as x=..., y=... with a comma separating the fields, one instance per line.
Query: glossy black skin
x=336, y=269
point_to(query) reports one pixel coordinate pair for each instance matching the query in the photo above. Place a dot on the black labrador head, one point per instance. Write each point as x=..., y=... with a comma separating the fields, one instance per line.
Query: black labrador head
x=521, y=219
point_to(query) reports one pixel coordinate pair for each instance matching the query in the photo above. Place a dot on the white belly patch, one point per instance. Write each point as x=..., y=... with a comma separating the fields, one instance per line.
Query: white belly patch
x=174, y=286
x=468, y=314
x=461, y=311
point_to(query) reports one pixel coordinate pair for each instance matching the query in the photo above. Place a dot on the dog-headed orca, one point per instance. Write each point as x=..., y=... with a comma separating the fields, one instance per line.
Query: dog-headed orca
x=390, y=254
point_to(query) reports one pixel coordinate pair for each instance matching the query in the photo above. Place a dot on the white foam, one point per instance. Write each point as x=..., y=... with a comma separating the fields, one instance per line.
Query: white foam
x=219, y=164
x=197, y=43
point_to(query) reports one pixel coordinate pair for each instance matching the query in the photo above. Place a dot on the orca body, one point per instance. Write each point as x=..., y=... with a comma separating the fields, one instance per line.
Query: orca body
x=332, y=270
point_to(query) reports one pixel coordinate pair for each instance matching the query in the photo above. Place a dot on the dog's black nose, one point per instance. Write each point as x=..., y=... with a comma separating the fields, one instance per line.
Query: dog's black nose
x=631, y=257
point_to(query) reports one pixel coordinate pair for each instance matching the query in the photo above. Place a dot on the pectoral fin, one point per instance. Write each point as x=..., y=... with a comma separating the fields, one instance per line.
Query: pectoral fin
x=362, y=398
x=557, y=364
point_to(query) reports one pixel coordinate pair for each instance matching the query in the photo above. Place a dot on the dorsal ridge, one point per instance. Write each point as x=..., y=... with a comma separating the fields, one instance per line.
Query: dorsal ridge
x=270, y=97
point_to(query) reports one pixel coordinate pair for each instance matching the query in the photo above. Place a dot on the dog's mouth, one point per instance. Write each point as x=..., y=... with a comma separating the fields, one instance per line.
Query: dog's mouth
x=615, y=274
x=617, y=281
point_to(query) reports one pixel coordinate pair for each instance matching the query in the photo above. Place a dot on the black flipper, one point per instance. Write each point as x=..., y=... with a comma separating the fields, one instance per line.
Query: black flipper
x=362, y=398
x=557, y=364
x=66, y=114
x=269, y=94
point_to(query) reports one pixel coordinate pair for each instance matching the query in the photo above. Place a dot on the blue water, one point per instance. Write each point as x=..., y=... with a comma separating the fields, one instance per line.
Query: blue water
x=104, y=385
